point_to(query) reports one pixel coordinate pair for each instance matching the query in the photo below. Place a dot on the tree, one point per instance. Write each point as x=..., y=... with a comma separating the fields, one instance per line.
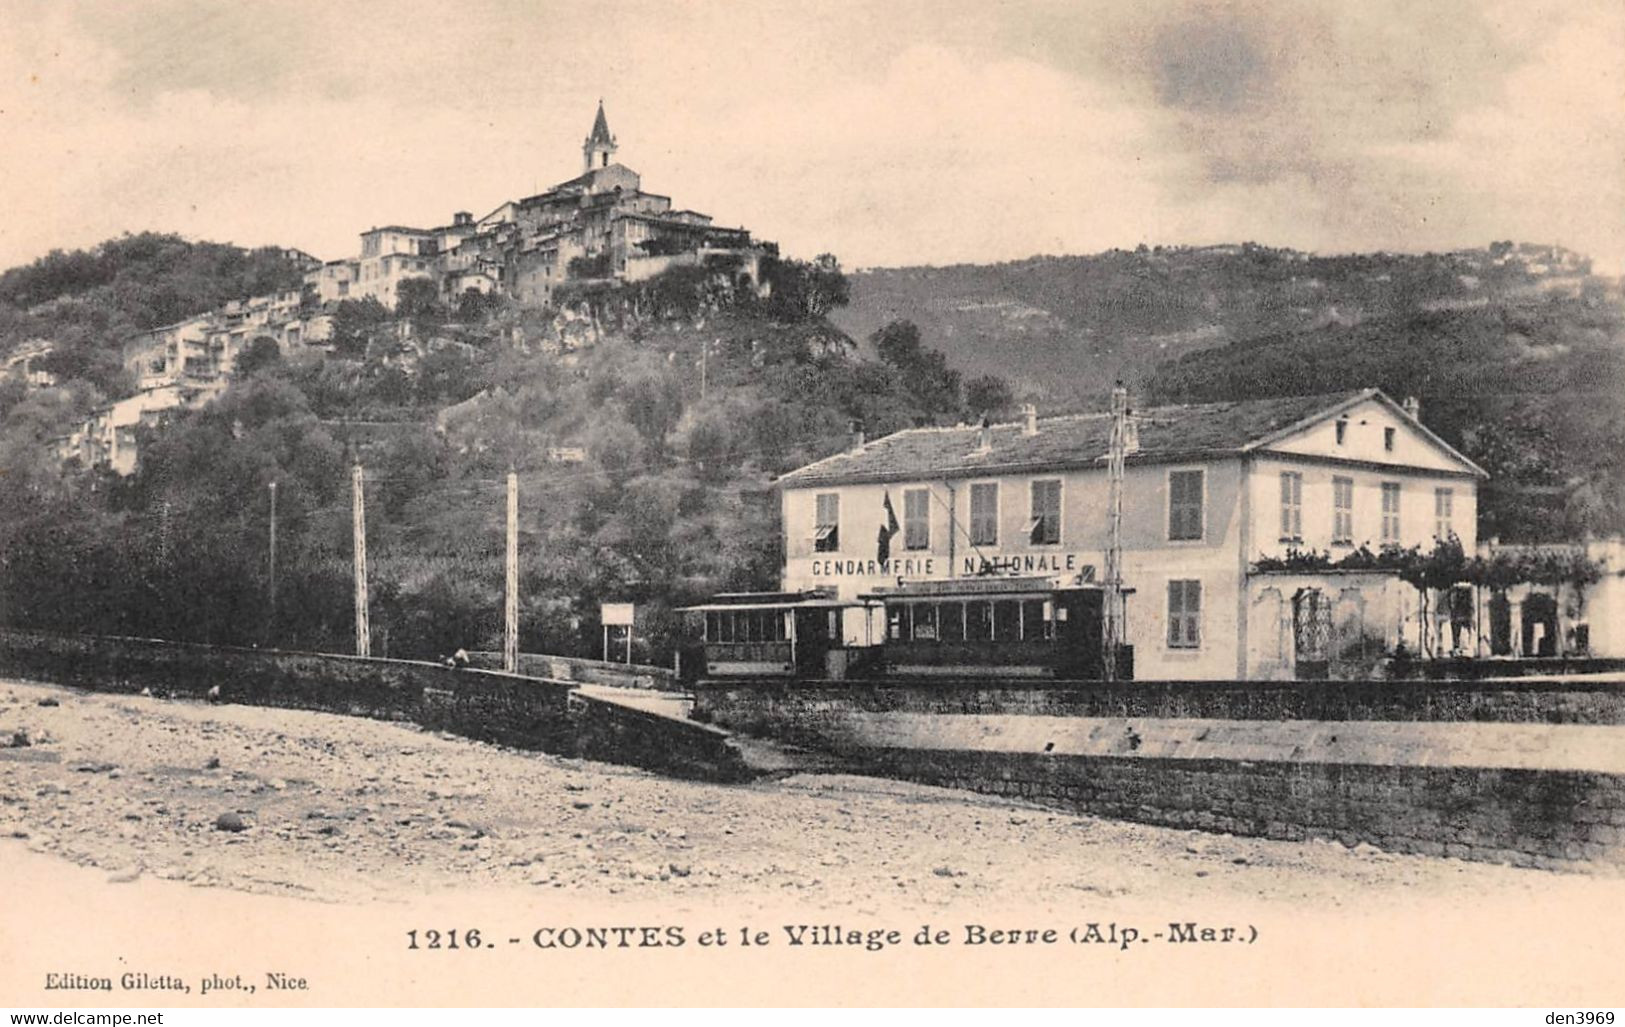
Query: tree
x=418, y=300
x=262, y=351
x=988, y=395
x=354, y=322
x=800, y=290
x=926, y=376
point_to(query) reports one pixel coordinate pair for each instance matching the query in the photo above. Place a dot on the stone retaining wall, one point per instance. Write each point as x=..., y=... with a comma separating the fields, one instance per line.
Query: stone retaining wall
x=1545, y=701
x=1531, y=774
x=585, y=671
x=523, y=712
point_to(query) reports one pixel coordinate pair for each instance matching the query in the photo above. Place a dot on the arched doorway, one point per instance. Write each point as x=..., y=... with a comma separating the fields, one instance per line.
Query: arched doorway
x=1312, y=634
x=1500, y=625
x=1540, y=625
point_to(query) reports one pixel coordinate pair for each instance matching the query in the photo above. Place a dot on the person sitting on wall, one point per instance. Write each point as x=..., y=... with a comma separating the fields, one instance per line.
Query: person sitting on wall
x=459, y=659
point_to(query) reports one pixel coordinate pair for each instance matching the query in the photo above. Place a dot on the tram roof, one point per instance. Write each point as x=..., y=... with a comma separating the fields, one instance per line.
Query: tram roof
x=957, y=588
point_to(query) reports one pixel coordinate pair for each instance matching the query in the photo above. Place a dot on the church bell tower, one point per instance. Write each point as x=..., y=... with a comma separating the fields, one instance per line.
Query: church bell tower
x=599, y=148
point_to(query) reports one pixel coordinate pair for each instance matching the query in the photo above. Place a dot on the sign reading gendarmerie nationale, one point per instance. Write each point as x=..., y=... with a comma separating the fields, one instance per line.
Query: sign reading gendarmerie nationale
x=967, y=566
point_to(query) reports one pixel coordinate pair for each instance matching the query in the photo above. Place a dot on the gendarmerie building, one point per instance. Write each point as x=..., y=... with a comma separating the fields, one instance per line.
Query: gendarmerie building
x=1207, y=491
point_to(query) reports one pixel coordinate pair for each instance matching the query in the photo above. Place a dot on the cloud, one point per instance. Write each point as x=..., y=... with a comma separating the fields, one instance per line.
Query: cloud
x=888, y=133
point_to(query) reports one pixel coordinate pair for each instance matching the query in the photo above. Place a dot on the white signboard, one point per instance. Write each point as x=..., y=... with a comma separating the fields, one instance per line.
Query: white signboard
x=615, y=614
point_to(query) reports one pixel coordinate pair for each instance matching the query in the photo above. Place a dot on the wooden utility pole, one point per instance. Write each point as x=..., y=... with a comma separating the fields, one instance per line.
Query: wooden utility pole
x=510, y=609
x=270, y=632
x=363, y=633
x=1112, y=633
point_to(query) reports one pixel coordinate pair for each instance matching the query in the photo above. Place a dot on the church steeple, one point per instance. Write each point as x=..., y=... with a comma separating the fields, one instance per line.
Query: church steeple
x=600, y=145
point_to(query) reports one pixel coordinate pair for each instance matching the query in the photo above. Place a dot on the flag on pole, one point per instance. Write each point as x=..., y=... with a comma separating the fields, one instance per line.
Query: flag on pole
x=887, y=529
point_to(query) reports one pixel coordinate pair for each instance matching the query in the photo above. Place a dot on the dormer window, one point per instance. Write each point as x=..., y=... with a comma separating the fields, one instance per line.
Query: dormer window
x=1388, y=439
x=1342, y=430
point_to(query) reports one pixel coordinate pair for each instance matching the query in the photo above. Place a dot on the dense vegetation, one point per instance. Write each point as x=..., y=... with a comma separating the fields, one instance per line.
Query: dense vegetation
x=1065, y=327
x=89, y=302
x=644, y=424
x=1517, y=351
x=1535, y=394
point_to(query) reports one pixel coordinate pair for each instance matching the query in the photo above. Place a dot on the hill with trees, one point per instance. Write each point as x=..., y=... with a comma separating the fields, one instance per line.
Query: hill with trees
x=644, y=423
x=87, y=303
x=1064, y=328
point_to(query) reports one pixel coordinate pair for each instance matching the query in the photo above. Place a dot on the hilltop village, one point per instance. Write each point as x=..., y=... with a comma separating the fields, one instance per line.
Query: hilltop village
x=598, y=227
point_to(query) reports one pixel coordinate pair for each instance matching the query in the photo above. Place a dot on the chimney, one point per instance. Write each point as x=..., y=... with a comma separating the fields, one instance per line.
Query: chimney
x=1413, y=407
x=856, y=428
x=987, y=435
x=1029, y=418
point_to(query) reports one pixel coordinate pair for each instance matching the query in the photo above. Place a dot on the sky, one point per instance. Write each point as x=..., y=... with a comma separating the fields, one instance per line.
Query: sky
x=889, y=133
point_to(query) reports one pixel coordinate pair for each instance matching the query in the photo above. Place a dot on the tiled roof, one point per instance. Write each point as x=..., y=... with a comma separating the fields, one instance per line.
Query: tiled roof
x=1170, y=433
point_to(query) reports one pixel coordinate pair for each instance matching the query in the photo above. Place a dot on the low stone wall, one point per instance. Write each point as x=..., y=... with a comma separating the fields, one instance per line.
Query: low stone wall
x=523, y=712
x=1565, y=701
x=1538, y=818
x=584, y=671
x=680, y=748
x=1531, y=775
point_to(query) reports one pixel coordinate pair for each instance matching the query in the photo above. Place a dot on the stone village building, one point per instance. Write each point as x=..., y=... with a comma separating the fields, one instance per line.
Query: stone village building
x=1209, y=489
x=600, y=226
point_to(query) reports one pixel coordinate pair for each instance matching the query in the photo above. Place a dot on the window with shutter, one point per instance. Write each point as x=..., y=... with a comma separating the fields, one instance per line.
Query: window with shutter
x=984, y=514
x=917, y=519
x=1291, y=506
x=1185, y=505
x=827, y=526
x=1184, y=614
x=1045, y=526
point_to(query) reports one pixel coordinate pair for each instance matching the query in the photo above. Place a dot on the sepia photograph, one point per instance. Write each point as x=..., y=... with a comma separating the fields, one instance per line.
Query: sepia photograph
x=524, y=504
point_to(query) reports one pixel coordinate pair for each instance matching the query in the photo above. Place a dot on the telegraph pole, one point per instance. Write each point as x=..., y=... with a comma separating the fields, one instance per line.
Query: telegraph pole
x=363, y=633
x=271, y=628
x=1113, y=634
x=510, y=637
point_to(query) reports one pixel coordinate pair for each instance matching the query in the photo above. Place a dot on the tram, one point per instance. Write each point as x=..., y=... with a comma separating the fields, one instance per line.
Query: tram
x=809, y=635
x=986, y=627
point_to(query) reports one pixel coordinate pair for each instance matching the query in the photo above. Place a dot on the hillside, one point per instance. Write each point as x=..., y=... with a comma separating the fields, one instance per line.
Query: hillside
x=82, y=305
x=1535, y=394
x=1063, y=328
x=644, y=424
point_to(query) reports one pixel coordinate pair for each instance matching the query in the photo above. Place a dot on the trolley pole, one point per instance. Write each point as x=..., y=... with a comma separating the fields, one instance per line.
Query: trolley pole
x=510, y=610
x=363, y=633
x=1113, y=620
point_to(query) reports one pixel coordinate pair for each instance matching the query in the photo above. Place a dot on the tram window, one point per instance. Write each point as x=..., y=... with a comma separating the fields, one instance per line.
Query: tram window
x=713, y=627
x=725, y=627
x=978, y=621
x=1007, y=620
x=1035, y=626
x=902, y=623
x=951, y=622
x=925, y=622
